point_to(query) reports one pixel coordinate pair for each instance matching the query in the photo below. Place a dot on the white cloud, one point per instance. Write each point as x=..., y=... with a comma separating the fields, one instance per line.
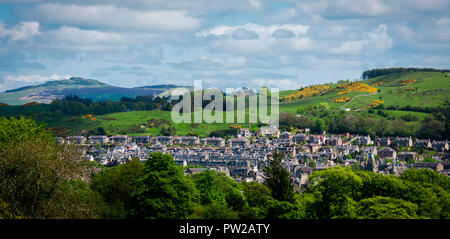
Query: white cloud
x=12, y=82
x=262, y=31
x=76, y=39
x=117, y=17
x=76, y=35
x=242, y=34
x=72, y=38
x=380, y=38
x=377, y=39
x=281, y=84
x=350, y=8
x=431, y=35
x=256, y=4
x=223, y=38
x=22, y=31
x=443, y=21
x=280, y=16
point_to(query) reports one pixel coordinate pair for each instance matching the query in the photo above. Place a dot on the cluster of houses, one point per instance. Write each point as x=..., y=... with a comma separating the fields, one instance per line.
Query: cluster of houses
x=243, y=157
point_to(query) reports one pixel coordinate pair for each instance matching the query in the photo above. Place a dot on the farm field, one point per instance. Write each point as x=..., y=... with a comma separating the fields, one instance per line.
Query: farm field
x=120, y=123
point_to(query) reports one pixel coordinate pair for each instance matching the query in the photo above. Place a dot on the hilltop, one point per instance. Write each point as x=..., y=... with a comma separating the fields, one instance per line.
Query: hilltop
x=85, y=88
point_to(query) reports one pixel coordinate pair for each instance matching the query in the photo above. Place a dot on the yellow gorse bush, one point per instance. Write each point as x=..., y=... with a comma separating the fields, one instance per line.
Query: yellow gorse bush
x=356, y=86
x=89, y=117
x=378, y=84
x=375, y=103
x=405, y=82
x=341, y=99
x=306, y=92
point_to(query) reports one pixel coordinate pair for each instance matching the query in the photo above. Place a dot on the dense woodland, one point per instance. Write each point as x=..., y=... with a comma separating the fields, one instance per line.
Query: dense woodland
x=52, y=181
x=74, y=105
x=384, y=71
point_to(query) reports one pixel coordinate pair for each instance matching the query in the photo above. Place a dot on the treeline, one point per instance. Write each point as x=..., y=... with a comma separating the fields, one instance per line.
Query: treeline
x=445, y=110
x=384, y=71
x=74, y=105
x=53, y=181
x=436, y=126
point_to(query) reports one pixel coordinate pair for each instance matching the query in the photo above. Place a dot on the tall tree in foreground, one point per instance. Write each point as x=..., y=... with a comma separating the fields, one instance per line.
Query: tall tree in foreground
x=278, y=179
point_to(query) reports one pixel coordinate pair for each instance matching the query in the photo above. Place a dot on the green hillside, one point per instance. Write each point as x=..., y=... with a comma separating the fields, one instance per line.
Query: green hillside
x=134, y=123
x=430, y=89
x=415, y=89
x=48, y=91
x=84, y=88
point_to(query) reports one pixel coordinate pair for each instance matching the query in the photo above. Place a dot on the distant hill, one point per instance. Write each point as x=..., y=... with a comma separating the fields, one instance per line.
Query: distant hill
x=85, y=88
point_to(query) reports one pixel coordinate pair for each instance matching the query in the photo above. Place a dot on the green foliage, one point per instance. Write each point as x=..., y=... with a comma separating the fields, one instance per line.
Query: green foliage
x=311, y=163
x=40, y=179
x=283, y=210
x=386, y=208
x=163, y=191
x=324, y=106
x=49, y=180
x=116, y=185
x=278, y=179
x=215, y=210
x=14, y=130
x=217, y=193
x=168, y=130
x=379, y=72
x=426, y=177
x=335, y=192
x=5, y=213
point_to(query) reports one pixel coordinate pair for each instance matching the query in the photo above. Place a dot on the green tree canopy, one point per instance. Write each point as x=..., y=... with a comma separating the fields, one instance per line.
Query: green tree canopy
x=39, y=178
x=278, y=179
x=116, y=184
x=386, y=208
x=163, y=191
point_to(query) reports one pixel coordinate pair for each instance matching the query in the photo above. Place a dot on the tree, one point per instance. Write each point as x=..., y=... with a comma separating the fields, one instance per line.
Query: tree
x=324, y=106
x=426, y=176
x=311, y=163
x=101, y=131
x=168, y=131
x=336, y=192
x=257, y=196
x=39, y=178
x=386, y=208
x=163, y=191
x=218, y=195
x=278, y=179
x=13, y=130
x=432, y=128
x=116, y=185
x=284, y=210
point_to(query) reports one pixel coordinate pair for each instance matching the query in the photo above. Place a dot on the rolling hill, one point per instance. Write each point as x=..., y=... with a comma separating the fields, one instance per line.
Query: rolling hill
x=85, y=88
x=417, y=89
x=396, y=91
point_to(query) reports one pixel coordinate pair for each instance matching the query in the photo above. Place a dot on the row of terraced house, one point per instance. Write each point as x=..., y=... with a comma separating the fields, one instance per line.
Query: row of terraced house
x=243, y=157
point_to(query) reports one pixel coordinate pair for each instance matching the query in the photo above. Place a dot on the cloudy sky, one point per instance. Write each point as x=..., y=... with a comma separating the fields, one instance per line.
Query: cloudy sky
x=233, y=43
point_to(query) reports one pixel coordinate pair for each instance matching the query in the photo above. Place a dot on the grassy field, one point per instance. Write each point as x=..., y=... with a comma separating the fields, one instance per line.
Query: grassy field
x=115, y=123
x=431, y=89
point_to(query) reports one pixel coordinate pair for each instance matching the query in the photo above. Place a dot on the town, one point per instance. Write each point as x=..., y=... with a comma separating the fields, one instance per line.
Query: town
x=244, y=156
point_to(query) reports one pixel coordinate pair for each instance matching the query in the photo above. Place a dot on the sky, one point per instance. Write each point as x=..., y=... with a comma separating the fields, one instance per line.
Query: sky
x=226, y=44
